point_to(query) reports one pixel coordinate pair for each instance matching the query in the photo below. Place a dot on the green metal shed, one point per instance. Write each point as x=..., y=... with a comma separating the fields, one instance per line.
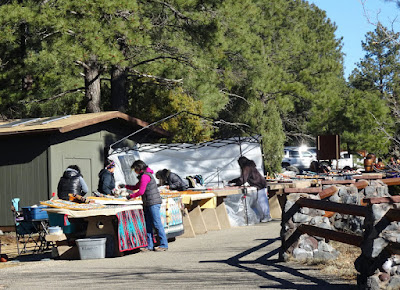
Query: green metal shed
x=35, y=152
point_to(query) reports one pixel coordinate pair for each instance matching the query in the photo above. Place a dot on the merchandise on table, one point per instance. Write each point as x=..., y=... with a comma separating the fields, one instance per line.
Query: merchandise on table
x=65, y=204
x=131, y=230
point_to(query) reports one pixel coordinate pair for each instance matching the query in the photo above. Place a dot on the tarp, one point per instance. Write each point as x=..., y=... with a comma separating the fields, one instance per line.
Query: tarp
x=216, y=164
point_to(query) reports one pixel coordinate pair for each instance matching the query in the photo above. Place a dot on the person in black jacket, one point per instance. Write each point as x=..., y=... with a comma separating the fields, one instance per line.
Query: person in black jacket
x=106, y=180
x=71, y=182
x=171, y=179
x=250, y=174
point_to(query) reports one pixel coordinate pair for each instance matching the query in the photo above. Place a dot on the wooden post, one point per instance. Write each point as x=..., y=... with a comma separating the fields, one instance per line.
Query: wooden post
x=222, y=215
x=211, y=219
x=187, y=226
x=197, y=220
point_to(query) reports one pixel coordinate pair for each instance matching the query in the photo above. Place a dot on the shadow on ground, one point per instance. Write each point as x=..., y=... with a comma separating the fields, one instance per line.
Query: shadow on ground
x=303, y=281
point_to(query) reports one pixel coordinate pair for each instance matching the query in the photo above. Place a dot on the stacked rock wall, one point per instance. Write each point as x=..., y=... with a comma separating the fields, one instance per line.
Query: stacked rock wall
x=378, y=268
x=379, y=263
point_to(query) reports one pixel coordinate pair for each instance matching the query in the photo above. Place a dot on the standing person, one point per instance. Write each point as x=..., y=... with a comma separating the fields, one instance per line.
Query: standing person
x=106, y=179
x=173, y=180
x=147, y=188
x=250, y=174
x=71, y=182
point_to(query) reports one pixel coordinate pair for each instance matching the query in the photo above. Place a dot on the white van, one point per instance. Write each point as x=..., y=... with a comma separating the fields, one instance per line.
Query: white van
x=297, y=157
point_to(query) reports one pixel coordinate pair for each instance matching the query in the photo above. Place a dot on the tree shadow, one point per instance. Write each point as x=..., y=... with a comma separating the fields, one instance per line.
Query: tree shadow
x=303, y=281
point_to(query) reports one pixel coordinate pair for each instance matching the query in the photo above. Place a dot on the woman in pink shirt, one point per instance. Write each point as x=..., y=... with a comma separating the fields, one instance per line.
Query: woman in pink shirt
x=148, y=190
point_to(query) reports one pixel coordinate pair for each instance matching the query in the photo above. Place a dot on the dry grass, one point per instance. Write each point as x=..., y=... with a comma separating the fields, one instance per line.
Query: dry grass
x=343, y=266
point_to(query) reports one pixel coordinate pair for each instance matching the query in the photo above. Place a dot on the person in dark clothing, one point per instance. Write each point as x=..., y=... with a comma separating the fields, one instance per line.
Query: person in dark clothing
x=171, y=179
x=106, y=180
x=71, y=182
x=250, y=174
x=147, y=188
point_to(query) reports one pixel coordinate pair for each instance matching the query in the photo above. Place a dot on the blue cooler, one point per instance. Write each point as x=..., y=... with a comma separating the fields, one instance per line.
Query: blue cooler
x=34, y=213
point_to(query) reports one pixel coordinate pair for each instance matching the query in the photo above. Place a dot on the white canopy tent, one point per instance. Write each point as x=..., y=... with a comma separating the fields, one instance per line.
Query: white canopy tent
x=215, y=161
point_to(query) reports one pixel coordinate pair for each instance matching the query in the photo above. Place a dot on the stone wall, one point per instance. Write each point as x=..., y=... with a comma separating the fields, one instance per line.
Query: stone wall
x=378, y=268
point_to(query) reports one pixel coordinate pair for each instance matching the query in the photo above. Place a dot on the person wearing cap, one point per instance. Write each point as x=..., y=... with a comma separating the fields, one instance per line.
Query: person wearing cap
x=106, y=179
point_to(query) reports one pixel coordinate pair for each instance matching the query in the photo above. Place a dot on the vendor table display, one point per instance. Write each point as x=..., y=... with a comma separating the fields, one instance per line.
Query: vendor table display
x=120, y=220
x=171, y=215
x=122, y=224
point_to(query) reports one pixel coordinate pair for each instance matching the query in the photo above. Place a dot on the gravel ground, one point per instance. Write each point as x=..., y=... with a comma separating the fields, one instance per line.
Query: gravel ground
x=237, y=258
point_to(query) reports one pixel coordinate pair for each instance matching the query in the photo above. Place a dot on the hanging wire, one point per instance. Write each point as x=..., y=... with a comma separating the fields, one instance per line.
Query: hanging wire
x=210, y=143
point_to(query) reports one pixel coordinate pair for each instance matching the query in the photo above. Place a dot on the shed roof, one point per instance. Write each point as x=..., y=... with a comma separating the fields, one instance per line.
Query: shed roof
x=68, y=123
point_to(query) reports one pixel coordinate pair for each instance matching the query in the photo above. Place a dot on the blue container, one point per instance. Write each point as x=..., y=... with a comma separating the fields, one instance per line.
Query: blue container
x=56, y=219
x=34, y=213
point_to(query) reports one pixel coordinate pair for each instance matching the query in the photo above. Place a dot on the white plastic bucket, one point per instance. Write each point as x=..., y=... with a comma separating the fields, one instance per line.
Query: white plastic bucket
x=92, y=248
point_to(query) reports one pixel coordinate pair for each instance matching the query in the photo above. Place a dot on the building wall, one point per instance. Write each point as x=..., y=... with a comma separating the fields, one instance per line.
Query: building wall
x=27, y=181
x=31, y=165
x=86, y=152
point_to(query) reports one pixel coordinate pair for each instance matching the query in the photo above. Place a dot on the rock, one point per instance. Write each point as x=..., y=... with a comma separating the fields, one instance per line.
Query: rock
x=335, y=198
x=391, y=236
x=352, y=190
x=356, y=225
x=342, y=192
x=320, y=255
x=301, y=218
x=379, y=210
x=338, y=216
x=285, y=257
x=350, y=199
x=325, y=247
x=378, y=245
x=301, y=254
x=381, y=191
x=384, y=277
x=305, y=210
x=316, y=220
x=373, y=283
x=339, y=225
x=288, y=205
x=308, y=243
x=387, y=265
x=1, y=233
x=396, y=259
x=370, y=191
x=394, y=283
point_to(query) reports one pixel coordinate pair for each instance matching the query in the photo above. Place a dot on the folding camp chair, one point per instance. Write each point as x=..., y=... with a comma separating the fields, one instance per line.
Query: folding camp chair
x=24, y=230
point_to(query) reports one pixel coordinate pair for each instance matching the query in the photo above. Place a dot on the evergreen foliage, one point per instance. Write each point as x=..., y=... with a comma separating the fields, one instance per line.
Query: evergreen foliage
x=376, y=93
x=271, y=67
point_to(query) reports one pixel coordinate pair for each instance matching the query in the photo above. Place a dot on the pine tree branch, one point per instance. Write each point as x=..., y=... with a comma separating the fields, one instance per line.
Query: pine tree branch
x=53, y=97
x=162, y=57
x=141, y=75
x=382, y=128
x=236, y=96
x=81, y=63
x=174, y=10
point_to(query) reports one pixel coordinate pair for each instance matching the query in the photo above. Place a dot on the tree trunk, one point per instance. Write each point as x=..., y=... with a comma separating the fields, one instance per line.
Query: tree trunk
x=92, y=85
x=119, y=99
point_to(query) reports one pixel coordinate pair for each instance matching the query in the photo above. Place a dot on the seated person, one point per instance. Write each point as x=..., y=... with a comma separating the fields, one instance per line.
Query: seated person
x=171, y=179
x=106, y=180
x=71, y=182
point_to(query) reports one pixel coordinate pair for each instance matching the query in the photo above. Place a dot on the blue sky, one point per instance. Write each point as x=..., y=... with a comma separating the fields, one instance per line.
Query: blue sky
x=352, y=23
